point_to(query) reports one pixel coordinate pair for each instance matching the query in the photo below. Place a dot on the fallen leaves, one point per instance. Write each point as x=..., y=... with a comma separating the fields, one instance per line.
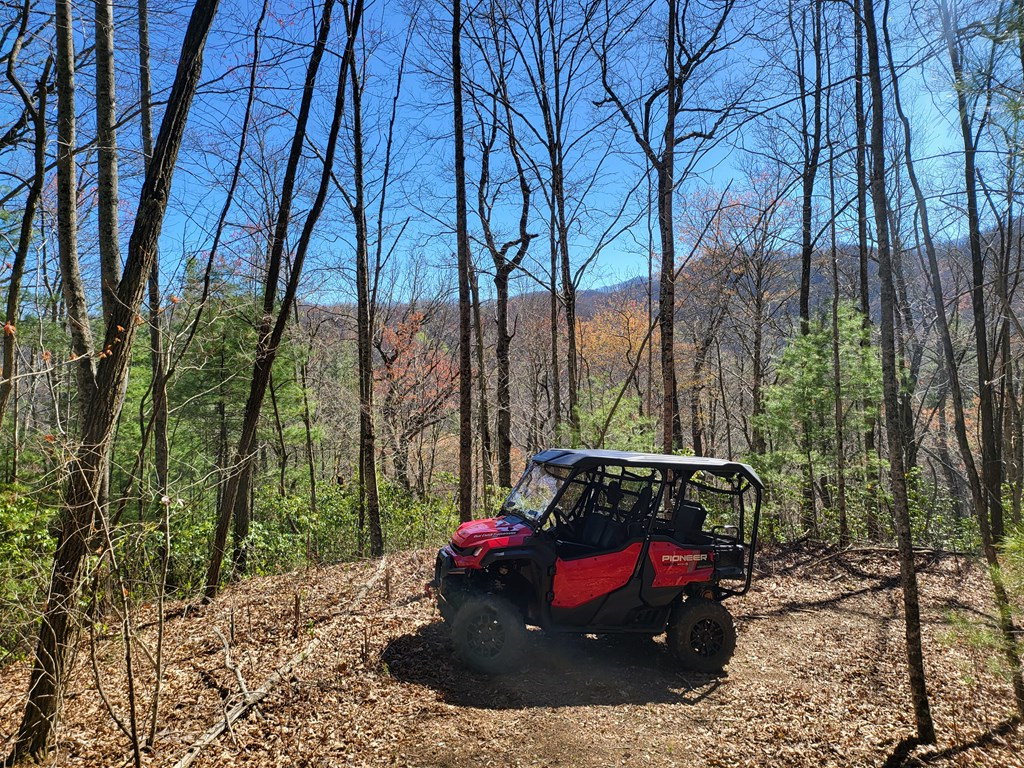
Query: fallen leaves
x=818, y=679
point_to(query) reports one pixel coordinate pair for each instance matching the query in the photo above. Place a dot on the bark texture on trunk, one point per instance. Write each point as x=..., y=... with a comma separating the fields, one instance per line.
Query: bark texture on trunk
x=67, y=208
x=158, y=386
x=463, y=265
x=891, y=397
x=106, y=140
x=364, y=328
x=59, y=626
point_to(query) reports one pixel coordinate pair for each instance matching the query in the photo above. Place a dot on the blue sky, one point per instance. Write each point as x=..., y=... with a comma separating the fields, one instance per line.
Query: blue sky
x=420, y=199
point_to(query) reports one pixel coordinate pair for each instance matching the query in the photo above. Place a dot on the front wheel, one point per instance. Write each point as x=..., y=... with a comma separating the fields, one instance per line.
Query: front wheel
x=702, y=635
x=489, y=634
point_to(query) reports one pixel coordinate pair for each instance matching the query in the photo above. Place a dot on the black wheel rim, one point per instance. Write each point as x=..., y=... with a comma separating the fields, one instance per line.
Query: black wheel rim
x=707, y=638
x=485, y=635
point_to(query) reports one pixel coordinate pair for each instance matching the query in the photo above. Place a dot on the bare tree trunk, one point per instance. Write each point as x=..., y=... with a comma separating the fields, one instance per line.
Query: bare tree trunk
x=837, y=379
x=556, y=373
x=725, y=403
x=701, y=348
x=16, y=430
x=665, y=166
x=757, y=442
x=271, y=330
x=307, y=423
x=487, y=478
x=106, y=140
x=1014, y=441
x=667, y=296
x=282, y=447
x=684, y=56
x=910, y=352
x=991, y=458
x=954, y=481
x=59, y=626
x=810, y=137
x=67, y=209
x=158, y=386
x=242, y=519
x=975, y=478
x=552, y=88
x=897, y=472
x=464, y=260
x=572, y=354
x=503, y=358
x=860, y=116
x=497, y=118
x=364, y=332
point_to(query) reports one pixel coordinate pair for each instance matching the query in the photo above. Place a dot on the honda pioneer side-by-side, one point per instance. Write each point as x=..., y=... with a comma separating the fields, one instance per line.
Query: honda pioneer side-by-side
x=601, y=542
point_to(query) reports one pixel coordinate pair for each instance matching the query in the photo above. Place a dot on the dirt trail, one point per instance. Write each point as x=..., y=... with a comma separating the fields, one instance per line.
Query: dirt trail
x=818, y=680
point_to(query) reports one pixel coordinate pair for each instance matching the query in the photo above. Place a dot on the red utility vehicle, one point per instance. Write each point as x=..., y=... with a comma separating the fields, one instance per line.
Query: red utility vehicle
x=605, y=542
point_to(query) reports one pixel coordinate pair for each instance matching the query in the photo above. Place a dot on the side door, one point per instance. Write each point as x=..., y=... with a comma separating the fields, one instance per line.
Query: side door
x=600, y=555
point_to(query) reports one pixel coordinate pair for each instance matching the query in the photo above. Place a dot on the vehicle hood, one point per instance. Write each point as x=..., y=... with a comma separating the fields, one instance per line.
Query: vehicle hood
x=491, y=529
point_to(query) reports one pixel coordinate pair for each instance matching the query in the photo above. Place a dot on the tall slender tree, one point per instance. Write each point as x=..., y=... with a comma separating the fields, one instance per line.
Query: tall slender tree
x=106, y=140
x=891, y=391
x=951, y=369
x=695, y=37
x=368, y=491
x=276, y=313
x=970, y=130
x=59, y=625
x=463, y=265
x=492, y=103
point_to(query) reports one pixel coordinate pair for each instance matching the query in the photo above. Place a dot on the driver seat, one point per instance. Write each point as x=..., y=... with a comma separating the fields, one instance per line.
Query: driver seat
x=601, y=532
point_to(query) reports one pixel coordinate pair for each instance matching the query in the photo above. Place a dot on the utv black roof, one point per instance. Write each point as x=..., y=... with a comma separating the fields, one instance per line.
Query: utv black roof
x=575, y=458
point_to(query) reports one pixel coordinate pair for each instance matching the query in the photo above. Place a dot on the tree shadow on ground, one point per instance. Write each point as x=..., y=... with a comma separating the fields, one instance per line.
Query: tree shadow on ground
x=559, y=671
x=834, y=601
x=901, y=755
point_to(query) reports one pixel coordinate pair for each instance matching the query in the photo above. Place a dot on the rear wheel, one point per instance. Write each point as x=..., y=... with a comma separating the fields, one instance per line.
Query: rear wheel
x=702, y=635
x=489, y=634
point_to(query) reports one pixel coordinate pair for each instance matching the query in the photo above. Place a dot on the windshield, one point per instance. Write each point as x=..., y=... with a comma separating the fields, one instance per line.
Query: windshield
x=533, y=494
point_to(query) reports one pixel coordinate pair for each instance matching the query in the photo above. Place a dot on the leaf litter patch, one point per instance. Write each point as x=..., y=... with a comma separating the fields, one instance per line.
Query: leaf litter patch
x=365, y=676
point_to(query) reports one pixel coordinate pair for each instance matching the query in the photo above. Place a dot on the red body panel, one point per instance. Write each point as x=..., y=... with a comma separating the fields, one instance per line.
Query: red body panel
x=481, y=536
x=675, y=566
x=580, y=581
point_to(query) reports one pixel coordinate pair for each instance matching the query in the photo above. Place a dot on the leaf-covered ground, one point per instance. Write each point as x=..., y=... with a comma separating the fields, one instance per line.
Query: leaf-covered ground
x=818, y=680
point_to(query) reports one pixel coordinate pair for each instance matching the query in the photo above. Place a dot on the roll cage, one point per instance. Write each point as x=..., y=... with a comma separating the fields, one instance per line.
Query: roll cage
x=610, y=497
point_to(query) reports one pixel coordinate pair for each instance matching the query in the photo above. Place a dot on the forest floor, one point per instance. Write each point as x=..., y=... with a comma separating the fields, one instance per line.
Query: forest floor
x=818, y=679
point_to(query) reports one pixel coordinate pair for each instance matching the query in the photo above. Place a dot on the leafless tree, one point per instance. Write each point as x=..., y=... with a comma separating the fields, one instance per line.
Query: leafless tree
x=976, y=478
x=58, y=627
x=276, y=314
x=464, y=261
x=672, y=113
x=489, y=31
x=35, y=109
x=893, y=422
